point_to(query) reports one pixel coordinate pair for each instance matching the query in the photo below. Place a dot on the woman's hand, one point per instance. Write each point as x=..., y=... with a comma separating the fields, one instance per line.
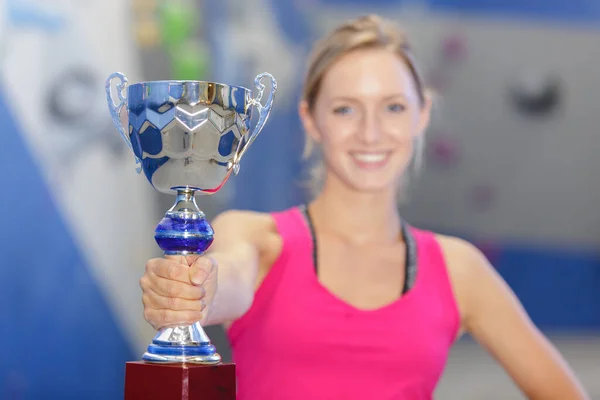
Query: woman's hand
x=176, y=293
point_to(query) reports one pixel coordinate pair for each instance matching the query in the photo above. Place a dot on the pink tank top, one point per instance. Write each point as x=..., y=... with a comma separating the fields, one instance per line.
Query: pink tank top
x=299, y=341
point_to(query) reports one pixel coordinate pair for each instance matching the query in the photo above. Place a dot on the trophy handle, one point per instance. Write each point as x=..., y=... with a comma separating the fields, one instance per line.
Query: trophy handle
x=116, y=108
x=263, y=113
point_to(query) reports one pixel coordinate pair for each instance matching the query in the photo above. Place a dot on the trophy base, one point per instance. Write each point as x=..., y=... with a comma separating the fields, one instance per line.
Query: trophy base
x=182, y=344
x=144, y=381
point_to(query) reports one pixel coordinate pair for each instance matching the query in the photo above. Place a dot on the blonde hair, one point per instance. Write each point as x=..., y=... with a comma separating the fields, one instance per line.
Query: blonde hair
x=367, y=32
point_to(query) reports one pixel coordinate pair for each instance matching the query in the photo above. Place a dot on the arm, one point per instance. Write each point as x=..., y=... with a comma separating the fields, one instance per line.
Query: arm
x=497, y=320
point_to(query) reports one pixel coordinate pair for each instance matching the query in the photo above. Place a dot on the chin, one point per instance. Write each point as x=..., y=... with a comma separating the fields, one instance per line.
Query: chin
x=387, y=178
x=371, y=185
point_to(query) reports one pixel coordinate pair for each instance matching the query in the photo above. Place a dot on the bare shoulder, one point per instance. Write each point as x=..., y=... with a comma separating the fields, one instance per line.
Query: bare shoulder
x=462, y=257
x=469, y=271
x=254, y=228
x=243, y=222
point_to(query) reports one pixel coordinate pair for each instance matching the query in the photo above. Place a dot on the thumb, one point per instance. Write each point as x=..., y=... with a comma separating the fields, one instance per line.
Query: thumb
x=201, y=269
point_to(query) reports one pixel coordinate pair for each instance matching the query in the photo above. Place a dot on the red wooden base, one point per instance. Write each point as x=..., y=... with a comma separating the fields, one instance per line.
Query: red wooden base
x=146, y=381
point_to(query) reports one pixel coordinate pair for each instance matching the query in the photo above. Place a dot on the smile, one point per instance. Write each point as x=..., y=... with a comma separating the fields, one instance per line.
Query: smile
x=371, y=160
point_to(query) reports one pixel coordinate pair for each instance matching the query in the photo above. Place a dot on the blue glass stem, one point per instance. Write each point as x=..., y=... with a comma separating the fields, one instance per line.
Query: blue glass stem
x=184, y=228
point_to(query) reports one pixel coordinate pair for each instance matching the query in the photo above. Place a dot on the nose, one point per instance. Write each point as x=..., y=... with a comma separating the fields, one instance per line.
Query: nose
x=371, y=131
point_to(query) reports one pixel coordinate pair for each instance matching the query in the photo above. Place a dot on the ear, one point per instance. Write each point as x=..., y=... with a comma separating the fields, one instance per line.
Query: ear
x=308, y=121
x=425, y=114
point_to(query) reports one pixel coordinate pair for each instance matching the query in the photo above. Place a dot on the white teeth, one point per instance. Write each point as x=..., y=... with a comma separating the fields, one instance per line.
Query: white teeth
x=370, y=157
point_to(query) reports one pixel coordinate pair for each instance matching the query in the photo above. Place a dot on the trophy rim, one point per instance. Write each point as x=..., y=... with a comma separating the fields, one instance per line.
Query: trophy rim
x=178, y=81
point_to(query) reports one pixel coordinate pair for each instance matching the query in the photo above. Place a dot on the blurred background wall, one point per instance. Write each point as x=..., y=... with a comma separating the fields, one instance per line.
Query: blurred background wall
x=511, y=163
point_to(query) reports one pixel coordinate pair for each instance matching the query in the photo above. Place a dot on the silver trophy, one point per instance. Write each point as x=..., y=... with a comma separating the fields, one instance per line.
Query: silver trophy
x=188, y=137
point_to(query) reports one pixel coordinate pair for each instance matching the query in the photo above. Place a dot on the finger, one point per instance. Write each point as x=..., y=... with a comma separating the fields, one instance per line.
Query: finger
x=151, y=299
x=201, y=270
x=183, y=259
x=169, y=269
x=165, y=318
x=170, y=288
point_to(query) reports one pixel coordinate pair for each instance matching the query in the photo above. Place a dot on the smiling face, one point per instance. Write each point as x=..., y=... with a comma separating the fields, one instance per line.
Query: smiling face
x=366, y=117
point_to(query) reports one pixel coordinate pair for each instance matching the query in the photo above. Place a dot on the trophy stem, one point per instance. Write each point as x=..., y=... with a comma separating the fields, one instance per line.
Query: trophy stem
x=184, y=230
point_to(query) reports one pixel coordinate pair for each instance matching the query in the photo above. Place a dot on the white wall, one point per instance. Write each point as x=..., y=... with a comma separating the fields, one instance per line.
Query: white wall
x=109, y=208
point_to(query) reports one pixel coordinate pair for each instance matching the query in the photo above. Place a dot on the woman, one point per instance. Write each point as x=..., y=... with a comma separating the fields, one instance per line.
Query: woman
x=342, y=299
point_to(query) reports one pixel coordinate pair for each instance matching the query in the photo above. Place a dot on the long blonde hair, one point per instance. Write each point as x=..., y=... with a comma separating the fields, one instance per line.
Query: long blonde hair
x=367, y=32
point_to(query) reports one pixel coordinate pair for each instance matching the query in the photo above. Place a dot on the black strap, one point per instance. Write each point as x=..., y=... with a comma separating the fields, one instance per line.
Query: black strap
x=410, y=263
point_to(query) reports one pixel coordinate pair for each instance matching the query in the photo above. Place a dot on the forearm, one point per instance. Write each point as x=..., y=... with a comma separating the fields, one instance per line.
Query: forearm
x=235, y=289
x=550, y=377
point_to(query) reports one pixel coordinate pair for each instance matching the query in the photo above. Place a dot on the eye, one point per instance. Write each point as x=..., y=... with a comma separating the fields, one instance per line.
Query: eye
x=397, y=107
x=343, y=110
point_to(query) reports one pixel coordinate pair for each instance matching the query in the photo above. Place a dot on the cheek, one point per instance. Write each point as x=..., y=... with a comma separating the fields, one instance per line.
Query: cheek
x=335, y=132
x=402, y=129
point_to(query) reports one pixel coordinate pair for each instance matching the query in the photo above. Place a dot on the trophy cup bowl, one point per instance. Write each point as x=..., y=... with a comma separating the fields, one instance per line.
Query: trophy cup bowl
x=187, y=137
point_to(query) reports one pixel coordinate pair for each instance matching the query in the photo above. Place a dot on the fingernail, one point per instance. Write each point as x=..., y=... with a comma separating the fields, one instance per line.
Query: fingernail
x=197, y=278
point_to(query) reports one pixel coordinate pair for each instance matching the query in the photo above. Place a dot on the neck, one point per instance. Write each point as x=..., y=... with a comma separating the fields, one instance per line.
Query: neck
x=358, y=216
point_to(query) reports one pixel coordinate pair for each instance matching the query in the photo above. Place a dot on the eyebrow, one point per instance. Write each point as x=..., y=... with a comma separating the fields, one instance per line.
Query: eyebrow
x=388, y=97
